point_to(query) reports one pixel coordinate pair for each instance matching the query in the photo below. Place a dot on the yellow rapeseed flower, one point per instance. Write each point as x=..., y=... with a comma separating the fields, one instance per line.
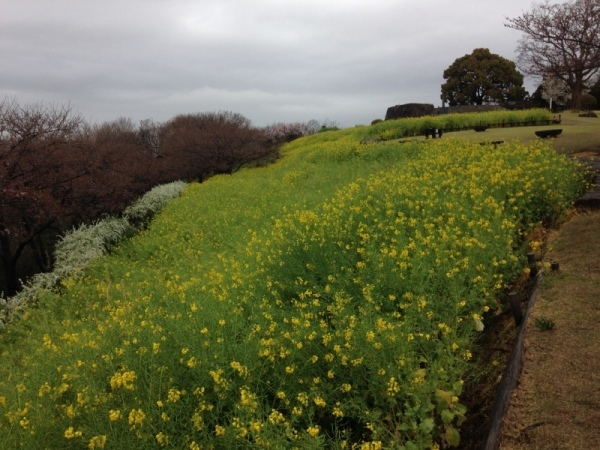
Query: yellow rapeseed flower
x=393, y=387
x=97, y=442
x=319, y=401
x=162, y=439
x=70, y=433
x=136, y=418
x=70, y=411
x=174, y=395
x=44, y=389
x=313, y=430
x=276, y=417
x=375, y=445
x=123, y=379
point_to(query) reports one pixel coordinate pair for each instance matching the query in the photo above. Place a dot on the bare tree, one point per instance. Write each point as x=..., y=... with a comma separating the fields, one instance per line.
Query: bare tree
x=55, y=172
x=150, y=135
x=311, y=127
x=37, y=169
x=280, y=133
x=120, y=165
x=211, y=143
x=561, y=41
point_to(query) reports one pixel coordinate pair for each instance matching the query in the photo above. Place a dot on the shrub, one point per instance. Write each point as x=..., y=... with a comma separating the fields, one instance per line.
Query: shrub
x=80, y=246
x=544, y=324
x=588, y=102
x=143, y=209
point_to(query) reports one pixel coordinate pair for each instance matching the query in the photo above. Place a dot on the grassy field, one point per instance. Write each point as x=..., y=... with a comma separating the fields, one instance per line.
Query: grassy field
x=579, y=134
x=329, y=300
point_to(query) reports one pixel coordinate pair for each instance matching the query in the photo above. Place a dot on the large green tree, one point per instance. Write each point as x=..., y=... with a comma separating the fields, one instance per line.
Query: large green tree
x=561, y=41
x=482, y=77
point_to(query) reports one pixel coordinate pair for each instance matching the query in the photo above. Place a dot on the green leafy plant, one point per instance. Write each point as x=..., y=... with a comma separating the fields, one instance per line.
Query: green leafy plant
x=329, y=300
x=544, y=324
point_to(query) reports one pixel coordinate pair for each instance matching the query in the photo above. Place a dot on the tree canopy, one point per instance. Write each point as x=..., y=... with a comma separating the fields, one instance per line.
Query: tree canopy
x=482, y=77
x=595, y=89
x=561, y=41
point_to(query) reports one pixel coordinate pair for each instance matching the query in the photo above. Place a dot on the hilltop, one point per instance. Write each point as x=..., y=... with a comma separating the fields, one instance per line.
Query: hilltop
x=332, y=298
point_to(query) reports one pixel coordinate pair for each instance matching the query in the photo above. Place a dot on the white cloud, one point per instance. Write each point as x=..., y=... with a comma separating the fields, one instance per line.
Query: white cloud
x=271, y=60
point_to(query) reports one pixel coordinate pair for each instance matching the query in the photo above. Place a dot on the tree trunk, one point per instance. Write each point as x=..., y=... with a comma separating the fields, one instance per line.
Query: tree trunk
x=576, y=92
x=41, y=255
x=9, y=267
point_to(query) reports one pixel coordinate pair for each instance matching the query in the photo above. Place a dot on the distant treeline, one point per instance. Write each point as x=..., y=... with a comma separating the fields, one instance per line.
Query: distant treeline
x=58, y=171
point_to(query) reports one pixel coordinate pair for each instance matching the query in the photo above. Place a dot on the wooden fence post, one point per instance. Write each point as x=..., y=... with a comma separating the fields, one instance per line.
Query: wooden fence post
x=532, y=265
x=515, y=306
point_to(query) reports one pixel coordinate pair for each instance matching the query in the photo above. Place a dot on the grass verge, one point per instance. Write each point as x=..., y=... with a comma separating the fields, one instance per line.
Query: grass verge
x=557, y=403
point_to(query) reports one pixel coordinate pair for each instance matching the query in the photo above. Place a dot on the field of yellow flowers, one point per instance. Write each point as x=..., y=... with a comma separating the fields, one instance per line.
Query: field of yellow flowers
x=329, y=300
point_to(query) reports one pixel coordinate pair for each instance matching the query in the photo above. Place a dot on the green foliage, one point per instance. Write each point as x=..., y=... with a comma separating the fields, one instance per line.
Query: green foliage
x=588, y=102
x=326, y=128
x=332, y=302
x=595, y=90
x=482, y=77
x=544, y=324
x=395, y=129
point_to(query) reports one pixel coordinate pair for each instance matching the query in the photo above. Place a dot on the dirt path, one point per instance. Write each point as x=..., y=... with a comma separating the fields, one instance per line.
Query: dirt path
x=557, y=402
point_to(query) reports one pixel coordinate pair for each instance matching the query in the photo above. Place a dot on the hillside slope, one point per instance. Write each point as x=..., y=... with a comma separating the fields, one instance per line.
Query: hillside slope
x=333, y=298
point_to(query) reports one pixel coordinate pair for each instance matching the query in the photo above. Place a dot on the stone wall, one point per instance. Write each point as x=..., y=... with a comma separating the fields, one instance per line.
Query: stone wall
x=467, y=109
x=409, y=110
x=425, y=109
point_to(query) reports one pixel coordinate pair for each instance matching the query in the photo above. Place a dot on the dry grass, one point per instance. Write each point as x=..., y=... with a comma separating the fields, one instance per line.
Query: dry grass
x=557, y=404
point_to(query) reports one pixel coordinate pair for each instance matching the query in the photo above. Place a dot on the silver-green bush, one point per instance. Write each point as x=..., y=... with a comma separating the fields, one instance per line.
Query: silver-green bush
x=78, y=247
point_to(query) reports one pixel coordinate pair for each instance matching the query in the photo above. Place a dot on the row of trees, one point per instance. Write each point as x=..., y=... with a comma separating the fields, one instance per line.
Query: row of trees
x=560, y=47
x=57, y=171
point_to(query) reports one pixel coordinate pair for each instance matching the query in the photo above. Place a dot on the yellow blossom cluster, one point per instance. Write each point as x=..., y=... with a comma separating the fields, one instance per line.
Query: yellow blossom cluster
x=123, y=379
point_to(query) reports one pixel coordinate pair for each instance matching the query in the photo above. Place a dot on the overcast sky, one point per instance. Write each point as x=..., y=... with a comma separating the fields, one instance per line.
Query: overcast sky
x=344, y=61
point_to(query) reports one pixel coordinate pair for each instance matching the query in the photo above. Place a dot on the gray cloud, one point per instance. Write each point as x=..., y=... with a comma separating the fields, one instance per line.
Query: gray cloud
x=271, y=60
